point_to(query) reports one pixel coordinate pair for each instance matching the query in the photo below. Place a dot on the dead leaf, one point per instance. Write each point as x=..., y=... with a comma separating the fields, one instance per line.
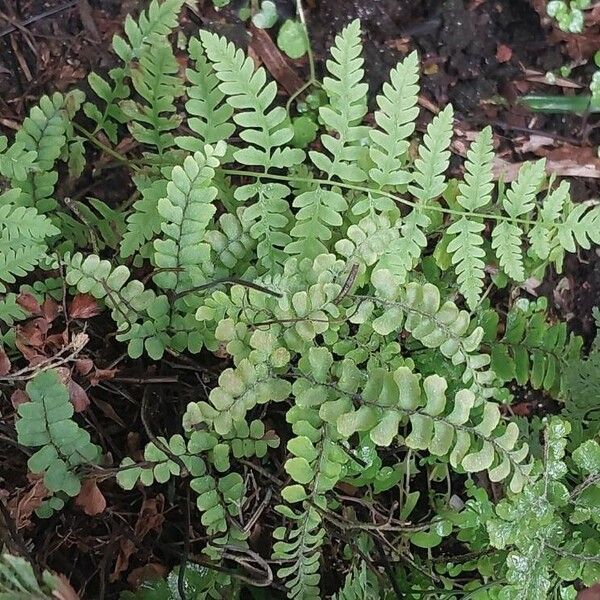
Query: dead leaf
x=151, y=516
x=102, y=375
x=503, y=53
x=4, y=363
x=265, y=49
x=84, y=365
x=50, y=310
x=90, y=498
x=78, y=396
x=149, y=572
x=592, y=593
x=29, y=303
x=22, y=507
x=539, y=77
x=126, y=549
x=534, y=142
x=83, y=306
x=109, y=412
x=19, y=397
x=63, y=589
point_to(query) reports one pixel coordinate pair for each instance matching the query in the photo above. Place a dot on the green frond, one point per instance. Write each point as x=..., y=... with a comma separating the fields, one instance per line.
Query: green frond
x=434, y=157
x=144, y=221
x=320, y=210
x=155, y=79
x=534, y=351
x=520, y=197
x=211, y=114
x=18, y=580
x=186, y=212
x=347, y=106
x=45, y=422
x=360, y=584
x=396, y=117
x=153, y=24
x=506, y=241
x=10, y=310
x=248, y=92
x=231, y=243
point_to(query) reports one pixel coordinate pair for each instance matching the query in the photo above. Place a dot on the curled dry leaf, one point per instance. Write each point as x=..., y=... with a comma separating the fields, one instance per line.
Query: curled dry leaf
x=18, y=397
x=90, y=498
x=29, y=303
x=83, y=306
x=64, y=590
x=84, y=365
x=21, y=507
x=4, y=363
x=77, y=395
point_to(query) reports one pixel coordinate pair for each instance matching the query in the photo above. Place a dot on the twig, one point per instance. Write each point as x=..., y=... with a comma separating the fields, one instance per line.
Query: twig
x=230, y=281
x=76, y=346
x=44, y=15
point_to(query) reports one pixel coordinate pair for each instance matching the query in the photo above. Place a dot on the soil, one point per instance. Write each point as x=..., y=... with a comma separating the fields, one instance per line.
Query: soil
x=477, y=54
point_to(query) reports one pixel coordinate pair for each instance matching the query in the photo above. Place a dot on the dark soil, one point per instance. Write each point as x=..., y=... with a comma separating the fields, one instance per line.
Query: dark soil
x=475, y=54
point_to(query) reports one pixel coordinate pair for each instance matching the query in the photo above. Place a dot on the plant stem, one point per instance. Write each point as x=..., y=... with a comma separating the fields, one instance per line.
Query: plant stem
x=107, y=149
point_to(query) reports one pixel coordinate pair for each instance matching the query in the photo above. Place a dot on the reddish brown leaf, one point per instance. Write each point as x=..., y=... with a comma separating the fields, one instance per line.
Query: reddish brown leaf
x=18, y=397
x=4, y=363
x=83, y=306
x=503, y=53
x=126, y=549
x=102, y=375
x=151, y=571
x=50, y=309
x=151, y=516
x=90, y=498
x=592, y=593
x=22, y=507
x=264, y=48
x=109, y=412
x=84, y=365
x=29, y=303
x=63, y=590
x=78, y=396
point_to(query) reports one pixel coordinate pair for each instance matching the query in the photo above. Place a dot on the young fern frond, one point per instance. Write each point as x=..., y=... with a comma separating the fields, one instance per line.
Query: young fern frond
x=248, y=92
x=23, y=238
x=231, y=243
x=475, y=192
x=211, y=114
x=186, y=212
x=396, y=117
x=155, y=80
x=144, y=222
x=152, y=25
x=518, y=201
x=347, y=106
x=45, y=422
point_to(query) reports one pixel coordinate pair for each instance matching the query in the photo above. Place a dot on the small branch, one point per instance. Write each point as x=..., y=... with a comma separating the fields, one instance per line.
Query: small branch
x=230, y=281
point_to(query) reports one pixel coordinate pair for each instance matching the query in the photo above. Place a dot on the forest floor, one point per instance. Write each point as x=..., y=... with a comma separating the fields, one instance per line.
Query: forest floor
x=480, y=55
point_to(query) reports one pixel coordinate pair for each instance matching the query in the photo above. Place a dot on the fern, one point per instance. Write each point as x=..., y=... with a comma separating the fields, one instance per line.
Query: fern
x=46, y=423
x=18, y=581
x=474, y=193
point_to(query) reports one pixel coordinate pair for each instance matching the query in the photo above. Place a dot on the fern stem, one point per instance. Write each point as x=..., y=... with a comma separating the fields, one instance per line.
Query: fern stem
x=370, y=190
x=107, y=149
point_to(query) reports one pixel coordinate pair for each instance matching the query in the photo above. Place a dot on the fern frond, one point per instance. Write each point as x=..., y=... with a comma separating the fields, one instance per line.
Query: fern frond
x=46, y=421
x=471, y=442
x=153, y=25
x=144, y=221
x=434, y=158
x=396, y=117
x=475, y=192
x=506, y=241
x=211, y=120
x=10, y=310
x=232, y=243
x=533, y=350
x=186, y=211
x=155, y=80
x=347, y=106
x=247, y=91
x=319, y=212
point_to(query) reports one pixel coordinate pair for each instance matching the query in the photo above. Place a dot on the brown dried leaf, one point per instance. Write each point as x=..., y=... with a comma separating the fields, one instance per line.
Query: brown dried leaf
x=50, y=310
x=109, y=412
x=503, y=53
x=83, y=306
x=90, y=498
x=22, y=507
x=84, y=365
x=4, y=363
x=19, y=397
x=151, y=516
x=102, y=375
x=78, y=396
x=28, y=302
x=64, y=590
x=151, y=571
x=126, y=549
x=265, y=49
